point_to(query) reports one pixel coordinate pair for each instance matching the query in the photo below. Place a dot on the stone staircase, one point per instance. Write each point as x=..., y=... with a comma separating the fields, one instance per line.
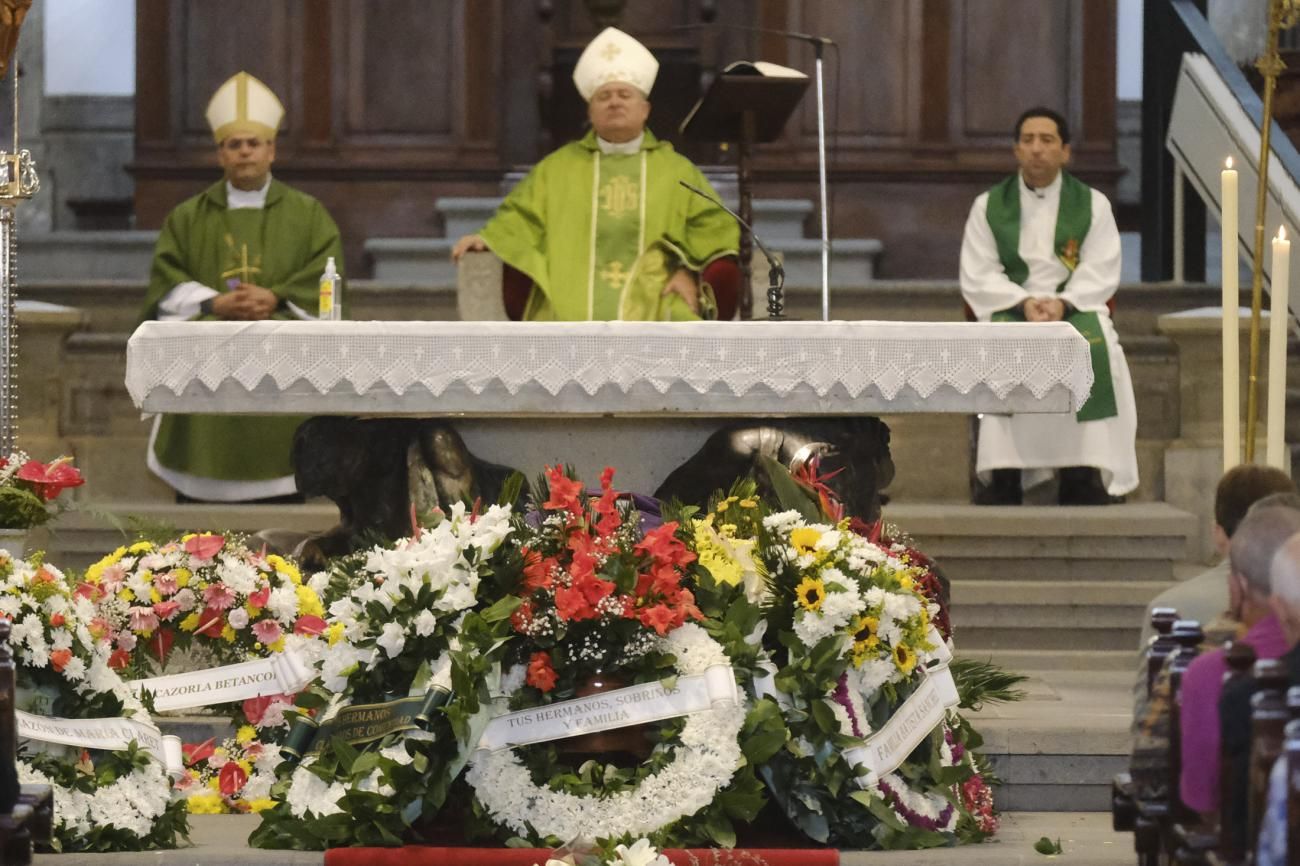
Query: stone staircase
x=780, y=223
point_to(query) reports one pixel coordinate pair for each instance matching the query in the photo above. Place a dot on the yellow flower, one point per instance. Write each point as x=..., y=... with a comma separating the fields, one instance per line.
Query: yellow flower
x=811, y=592
x=228, y=634
x=261, y=804
x=748, y=503
x=208, y=802
x=182, y=576
x=284, y=567
x=308, y=602
x=334, y=633
x=246, y=734
x=278, y=646
x=864, y=627
x=154, y=595
x=187, y=536
x=904, y=659
x=245, y=766
x=905, y=581
x=140, y=547
x=190, y=622
x=804, y=539
x=126, y=595
x=215, y=784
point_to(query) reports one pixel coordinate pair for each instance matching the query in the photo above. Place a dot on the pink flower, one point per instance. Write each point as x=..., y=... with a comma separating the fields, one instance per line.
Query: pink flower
x=268, y=631
x=143, y=619
x=219, y=596
x=261, y=597
x=111, y=579
x=308, y=624
x=126, y=641
x=165, y=583
x=204, y=546
x=166, y=609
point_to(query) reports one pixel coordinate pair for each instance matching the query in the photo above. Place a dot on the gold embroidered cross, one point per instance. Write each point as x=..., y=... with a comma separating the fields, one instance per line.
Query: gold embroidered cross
x=610, y=51
x=244, y=270
x=613, y=274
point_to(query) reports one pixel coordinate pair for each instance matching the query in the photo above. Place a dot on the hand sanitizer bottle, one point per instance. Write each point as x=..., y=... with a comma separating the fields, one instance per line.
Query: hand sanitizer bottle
x=330, y=306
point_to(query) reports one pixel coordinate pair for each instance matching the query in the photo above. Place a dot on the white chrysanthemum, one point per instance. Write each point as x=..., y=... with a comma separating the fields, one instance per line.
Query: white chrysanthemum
x=392, y=639
x=283, y=603
x=237, y=574
x=783, y=520
x=642, y=853
x=309, y=793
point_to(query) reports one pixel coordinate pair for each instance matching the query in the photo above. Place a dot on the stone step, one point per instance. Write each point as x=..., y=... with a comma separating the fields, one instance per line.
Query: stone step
x=99, y=255
x=774, y=219
x=428, y=261
x=1055, y=661
x=1054, y=594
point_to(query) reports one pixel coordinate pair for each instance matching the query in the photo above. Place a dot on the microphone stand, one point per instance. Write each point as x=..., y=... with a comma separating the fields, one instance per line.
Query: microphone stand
x=819, y=44
x=775, y=271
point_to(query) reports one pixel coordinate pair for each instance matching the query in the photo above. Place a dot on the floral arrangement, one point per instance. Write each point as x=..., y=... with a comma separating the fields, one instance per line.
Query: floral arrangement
x=639, y=853
x=600, y=597
x=235, y=776
x=207, y=597
x=29, y=489
x=409, y=620
x=103, y=801
x=849, y=630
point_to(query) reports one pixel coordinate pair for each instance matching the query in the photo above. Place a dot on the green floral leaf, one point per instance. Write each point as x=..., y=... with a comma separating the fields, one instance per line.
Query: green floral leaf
x=1047, y=846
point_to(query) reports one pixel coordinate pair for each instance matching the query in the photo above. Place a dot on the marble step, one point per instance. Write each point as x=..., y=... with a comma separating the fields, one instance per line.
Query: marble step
x=1059, y=660
x=774, y=219
x=428, y=261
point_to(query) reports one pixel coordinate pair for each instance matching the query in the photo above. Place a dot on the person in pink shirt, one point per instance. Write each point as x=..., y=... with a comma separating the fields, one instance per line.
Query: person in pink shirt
x=1266, y=527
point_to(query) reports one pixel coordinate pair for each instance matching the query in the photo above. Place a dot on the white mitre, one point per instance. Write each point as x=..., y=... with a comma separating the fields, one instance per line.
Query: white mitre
x=244, y=106
x=615, y=56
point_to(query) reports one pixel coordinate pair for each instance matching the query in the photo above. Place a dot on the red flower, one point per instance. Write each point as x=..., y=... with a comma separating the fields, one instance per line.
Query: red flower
x=119, y=659
x=267, y=631
x=165, y=610
x=522, y=618
x=593, y=588
x=660, y=618
x=309, y=624
x=60, y=658
x=89, y=591
x=49, y=480
x=160, y=644
x=540, y=673
x=572, y=604
x=565, y=492
x=233, y=778
x=200, y=752
x=662, y=545
x=57, y=620
x=537, y=570
x=204, y=546
x=261, y=597
x=255, y=708
x=211, y=622
x=607, y=506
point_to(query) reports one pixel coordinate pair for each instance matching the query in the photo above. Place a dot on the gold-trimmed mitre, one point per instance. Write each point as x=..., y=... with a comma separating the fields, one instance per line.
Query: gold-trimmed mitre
x=244, y=106
x=614, y=56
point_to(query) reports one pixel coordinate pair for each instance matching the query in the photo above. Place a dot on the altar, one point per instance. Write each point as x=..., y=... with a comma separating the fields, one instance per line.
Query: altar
x=641, y=396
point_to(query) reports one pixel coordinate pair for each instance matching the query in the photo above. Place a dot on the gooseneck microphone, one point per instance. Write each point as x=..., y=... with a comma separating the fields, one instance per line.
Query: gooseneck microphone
x=775, y=272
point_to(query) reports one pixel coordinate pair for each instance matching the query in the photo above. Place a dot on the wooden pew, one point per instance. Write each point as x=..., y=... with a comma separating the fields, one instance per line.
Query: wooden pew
x=1123, y=796
x=1268, y=720
x=1292, y=757
x=26, y=811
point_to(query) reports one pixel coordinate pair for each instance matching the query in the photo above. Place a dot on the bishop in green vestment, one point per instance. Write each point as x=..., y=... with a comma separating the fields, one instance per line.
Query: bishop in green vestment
x=603, y=226
x=247, y=248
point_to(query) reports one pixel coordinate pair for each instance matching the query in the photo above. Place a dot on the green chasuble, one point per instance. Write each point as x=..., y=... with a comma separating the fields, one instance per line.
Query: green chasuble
x=600, y=234
x=1073, y=219
x=282, y=247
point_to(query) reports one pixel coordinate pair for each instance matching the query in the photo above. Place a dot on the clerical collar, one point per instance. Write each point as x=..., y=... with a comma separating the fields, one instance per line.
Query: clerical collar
x=620, y=147
x=246, y=198
x=1042, y=191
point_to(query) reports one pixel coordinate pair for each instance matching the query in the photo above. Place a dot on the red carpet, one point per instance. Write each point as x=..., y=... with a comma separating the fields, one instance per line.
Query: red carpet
x=422, y=855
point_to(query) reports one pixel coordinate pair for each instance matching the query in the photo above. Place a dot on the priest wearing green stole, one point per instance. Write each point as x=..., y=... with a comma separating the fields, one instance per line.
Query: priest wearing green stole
x=602, y=227
x=245, y=249
x=1041, y=246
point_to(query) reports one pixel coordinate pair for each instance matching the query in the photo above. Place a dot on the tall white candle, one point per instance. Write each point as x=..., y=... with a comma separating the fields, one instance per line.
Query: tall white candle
x=1231, y=296
x=1278, y=316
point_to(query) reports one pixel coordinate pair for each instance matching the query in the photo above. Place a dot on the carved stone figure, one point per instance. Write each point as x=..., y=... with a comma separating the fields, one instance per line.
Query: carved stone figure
x=856, y=449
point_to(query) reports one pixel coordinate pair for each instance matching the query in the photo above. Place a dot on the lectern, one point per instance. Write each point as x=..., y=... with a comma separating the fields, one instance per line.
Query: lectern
x=748, y=104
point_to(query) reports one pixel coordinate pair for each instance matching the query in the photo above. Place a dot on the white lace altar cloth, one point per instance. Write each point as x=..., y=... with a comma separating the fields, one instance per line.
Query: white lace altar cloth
x=603, y=368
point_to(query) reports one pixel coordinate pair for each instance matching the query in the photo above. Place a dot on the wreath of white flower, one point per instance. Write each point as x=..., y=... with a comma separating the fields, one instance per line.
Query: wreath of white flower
x=703, y=764
x=133, y=802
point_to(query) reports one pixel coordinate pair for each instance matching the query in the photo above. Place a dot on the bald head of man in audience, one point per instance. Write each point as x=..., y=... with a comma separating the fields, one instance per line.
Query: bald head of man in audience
x=1284, y=597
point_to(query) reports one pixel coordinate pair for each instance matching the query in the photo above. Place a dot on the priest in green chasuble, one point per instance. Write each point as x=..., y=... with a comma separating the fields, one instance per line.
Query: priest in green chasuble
x=1042, y=246
x=602, y=227
x=247, y=248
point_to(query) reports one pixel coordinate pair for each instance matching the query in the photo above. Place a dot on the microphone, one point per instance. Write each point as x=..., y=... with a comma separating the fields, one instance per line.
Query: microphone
x=775, y=272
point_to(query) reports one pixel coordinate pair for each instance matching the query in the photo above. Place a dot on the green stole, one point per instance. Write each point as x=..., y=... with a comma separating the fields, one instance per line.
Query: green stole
x=1073, y=218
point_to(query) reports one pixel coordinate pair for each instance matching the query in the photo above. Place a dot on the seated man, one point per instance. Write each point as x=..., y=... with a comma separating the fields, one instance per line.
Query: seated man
x=1042, y=247
x=602, y=227
x=1261, y=534
x=247, y=248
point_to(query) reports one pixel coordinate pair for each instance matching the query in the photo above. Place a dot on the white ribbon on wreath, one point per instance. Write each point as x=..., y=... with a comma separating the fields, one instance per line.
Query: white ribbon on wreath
x=703, y=764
